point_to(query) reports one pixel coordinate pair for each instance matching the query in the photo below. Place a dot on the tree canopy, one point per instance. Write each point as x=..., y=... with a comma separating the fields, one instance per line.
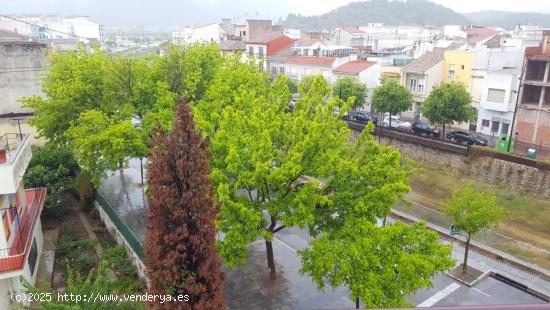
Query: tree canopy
x=297, y=167
x=472, y=210
x=55, y=168
x=448, y=103
x=105, y=108
x=380, y=265
x=347, y=87
x=391, y=97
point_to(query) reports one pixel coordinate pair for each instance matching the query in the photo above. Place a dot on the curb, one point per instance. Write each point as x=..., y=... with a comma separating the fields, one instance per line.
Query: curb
x=512, y=262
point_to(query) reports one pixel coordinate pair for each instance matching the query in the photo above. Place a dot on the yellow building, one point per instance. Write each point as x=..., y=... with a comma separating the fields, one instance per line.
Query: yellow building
x=458, y=67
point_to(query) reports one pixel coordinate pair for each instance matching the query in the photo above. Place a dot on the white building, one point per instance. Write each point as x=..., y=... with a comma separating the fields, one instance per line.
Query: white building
x=21, y=233
x=198, y=34
x=350, y=36
x=367, y=72
x=54, y=26
x=498, y=100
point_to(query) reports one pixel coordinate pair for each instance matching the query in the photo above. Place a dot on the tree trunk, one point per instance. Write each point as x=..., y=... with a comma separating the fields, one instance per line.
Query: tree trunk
x=384, y=222
x=357, y=303
x=443, y=135
x=270, y=260
x=467, y=247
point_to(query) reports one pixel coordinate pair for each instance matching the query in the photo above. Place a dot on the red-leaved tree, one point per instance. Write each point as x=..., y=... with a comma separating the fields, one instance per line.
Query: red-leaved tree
x=180, y=238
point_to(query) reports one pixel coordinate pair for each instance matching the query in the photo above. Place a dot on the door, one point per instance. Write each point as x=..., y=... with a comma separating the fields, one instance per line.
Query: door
x=494, y=127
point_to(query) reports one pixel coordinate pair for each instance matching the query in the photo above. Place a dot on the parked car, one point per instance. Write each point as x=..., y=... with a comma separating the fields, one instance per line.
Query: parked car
x=361, y=117
x=466, y=137
x=425, y=129
x=396, y=122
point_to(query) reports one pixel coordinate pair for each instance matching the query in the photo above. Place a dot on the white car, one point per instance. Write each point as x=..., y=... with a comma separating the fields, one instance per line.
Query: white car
x=395, y=122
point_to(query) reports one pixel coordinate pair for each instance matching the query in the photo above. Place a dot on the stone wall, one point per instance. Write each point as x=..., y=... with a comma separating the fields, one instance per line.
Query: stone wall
x=485, y=169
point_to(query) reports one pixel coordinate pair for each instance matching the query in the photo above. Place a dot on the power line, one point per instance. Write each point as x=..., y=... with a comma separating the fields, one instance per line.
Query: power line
x=49, y=29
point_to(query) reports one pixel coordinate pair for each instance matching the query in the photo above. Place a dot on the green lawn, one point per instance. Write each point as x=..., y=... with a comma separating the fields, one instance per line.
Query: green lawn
x=528, y=218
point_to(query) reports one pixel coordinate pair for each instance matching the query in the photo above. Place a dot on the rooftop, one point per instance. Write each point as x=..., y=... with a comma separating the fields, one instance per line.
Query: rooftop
x=426, y=61
x=354, y=67
x=311, y=60
x=352, y=30
x=232, y=45
x=12, y=37
x=478, y=34
x=535, y=53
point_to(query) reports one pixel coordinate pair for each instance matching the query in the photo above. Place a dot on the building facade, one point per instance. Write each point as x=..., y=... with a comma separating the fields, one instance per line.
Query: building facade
x=533, y=118
x=498, y=100
x=21, y=233
x=22, y=61
x=420, y=77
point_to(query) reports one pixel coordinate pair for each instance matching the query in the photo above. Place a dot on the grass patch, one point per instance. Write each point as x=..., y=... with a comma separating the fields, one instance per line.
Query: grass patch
x=528, y=217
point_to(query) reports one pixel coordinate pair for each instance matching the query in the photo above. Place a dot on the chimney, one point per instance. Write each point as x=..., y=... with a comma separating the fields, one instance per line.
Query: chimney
x=546, y=42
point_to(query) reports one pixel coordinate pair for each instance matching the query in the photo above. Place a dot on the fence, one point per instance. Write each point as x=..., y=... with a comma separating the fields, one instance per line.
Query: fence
x=124, y=230
x=487, y=239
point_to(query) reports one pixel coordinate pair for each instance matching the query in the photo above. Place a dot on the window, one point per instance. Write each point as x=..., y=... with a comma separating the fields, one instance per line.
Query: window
x=33, y=255
x=496, y=95
x=306, y=52
x=504, y=128
x=451, y=72
x=462, y=67
x=307, y=71
x=282, y=70
x=261, y=51
x=251, y=51
x=244, y=33
x=412, y=85
x=273, y=70
x=421, y=88
x=484, y=123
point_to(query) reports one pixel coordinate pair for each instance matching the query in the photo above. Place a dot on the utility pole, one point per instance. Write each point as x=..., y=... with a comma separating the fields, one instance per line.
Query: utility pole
x=519, y=94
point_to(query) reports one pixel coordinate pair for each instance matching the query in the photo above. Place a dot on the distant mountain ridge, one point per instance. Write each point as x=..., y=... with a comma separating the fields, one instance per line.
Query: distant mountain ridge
x=409, y=12
x=508, y=20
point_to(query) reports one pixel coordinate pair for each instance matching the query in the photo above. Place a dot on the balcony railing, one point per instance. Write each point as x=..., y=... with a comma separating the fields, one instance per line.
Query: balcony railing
x=10, y=146
x=13, y=258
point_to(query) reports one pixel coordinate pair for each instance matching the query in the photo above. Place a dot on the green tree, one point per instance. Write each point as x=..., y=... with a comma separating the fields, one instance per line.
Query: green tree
x=380, y=265
x=391, y=97
x=55, y=168
x=347, y=87
x=274, y=169
x=448, y=103
x=472, y=211
x=105, y=108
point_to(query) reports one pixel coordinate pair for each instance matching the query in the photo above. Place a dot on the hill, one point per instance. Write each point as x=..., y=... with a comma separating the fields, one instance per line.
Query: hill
x=508, y=20
x=410, y=12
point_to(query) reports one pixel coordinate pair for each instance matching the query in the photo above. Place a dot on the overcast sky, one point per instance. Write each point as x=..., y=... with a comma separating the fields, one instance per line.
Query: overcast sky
x=171, y=13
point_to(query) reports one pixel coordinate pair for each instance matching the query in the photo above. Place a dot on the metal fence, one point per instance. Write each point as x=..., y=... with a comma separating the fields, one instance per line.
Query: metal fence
x=488, y=239
x=124, y=230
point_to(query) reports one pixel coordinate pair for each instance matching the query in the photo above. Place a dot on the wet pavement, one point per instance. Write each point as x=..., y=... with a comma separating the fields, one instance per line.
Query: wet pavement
x=249, y=287
x=124, y=193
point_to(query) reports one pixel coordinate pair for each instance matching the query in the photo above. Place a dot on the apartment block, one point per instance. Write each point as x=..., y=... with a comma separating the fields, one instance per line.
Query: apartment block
x=21, y=233
x=533, y=118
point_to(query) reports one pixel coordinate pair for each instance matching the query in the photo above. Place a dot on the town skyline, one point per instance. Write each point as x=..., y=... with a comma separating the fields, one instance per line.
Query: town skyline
x=194, y=12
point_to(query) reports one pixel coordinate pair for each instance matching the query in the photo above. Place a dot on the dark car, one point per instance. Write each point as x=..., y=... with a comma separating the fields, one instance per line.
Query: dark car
x=361, y=117
x=466, y=137
x=425, y=129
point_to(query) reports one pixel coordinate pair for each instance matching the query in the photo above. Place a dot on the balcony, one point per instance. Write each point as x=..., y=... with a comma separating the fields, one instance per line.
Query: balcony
x=13, y=258
x=15, y=155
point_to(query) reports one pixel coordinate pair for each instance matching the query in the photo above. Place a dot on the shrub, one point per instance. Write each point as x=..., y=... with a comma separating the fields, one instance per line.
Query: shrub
x=85, y=187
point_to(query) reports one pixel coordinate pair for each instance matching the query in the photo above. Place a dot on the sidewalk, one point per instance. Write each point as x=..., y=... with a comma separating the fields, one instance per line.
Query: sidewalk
x=485, y=263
